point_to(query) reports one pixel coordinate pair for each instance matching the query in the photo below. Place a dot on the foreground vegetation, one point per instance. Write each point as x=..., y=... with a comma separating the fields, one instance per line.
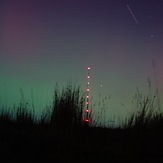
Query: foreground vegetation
x=61, y=135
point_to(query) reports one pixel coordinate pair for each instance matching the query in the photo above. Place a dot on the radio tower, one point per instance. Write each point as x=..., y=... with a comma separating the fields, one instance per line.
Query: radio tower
x=87, y=111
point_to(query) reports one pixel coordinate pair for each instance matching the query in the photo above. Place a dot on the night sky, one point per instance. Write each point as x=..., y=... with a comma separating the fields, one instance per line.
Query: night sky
x=47, y=41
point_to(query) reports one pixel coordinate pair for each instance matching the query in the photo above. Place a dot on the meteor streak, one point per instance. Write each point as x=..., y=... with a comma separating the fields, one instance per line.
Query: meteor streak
x=128, y=7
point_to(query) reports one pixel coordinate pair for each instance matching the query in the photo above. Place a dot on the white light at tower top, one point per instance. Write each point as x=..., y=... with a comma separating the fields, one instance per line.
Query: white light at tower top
x=89, y=68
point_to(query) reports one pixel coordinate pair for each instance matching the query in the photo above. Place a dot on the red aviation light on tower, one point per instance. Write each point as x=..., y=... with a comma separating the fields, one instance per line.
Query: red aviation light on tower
x=87, y=110
x=88, y=68
x=87, y=89
x=87, y=120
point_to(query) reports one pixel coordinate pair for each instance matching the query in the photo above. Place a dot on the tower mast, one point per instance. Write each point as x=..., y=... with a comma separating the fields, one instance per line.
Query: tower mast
x=87, y=110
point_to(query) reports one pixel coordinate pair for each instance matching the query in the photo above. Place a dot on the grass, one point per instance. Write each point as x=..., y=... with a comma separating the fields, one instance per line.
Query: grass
x=147, y=111
x=68, y=108
x=60, y=134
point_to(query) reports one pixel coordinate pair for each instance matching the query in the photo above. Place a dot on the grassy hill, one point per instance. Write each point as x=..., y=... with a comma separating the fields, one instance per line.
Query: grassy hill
x=60, y=135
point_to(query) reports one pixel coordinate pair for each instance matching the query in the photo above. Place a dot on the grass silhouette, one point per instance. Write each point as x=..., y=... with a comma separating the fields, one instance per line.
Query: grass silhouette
x=60, y=134
x=68, y=108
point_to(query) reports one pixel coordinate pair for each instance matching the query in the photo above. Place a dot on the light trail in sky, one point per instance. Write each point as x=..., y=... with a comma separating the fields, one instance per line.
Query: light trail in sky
x=128, y=7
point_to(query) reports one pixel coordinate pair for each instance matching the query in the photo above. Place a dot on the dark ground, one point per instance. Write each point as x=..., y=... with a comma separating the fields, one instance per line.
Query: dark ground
x=29, y=144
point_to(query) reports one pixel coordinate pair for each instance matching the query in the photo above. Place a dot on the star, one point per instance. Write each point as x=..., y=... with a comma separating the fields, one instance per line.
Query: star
x=152, y=35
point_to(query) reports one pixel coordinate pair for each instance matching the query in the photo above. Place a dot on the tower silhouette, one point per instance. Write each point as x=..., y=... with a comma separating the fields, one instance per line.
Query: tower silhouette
x=87, y=110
